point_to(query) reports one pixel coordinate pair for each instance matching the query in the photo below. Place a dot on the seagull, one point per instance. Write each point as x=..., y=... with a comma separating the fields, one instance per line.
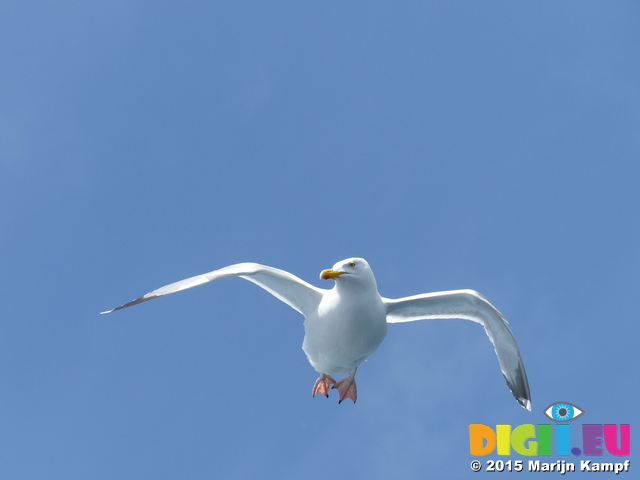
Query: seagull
x=345, y=325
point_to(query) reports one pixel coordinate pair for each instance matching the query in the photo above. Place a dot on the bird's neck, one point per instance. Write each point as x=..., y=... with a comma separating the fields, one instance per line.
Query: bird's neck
x=357, y=288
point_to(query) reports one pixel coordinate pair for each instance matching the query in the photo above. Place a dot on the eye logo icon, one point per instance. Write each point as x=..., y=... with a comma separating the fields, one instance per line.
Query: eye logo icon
x=563, y=412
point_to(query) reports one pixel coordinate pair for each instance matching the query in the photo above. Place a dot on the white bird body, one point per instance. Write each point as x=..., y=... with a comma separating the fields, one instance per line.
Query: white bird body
x=340, y=335
x=346, y=324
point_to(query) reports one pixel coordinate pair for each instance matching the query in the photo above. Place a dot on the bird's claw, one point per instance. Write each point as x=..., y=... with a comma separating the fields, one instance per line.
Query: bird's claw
x=347, y=388
x=322, y=385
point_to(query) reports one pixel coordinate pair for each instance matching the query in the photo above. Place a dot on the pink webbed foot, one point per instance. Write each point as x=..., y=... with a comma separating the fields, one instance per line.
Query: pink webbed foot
x=347, y=387
x=322, y=385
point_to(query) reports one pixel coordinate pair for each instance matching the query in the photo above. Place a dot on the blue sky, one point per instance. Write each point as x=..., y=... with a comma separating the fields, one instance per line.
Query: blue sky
x=484, y=145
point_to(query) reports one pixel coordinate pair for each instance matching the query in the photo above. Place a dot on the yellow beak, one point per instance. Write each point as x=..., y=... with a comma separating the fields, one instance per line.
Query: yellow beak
x=330, y=273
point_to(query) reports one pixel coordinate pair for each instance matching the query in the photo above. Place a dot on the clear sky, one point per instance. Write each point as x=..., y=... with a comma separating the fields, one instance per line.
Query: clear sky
x=484, y=145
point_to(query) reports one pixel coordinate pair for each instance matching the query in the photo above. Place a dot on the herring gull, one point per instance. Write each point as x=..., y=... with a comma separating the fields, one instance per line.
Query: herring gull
x=346, y=324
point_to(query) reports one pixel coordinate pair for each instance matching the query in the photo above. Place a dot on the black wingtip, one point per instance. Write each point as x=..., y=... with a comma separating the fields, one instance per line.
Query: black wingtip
x=131, y=303
x=520, y=391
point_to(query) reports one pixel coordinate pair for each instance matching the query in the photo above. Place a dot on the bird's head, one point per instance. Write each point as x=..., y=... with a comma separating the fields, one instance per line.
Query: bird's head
x=351, y=270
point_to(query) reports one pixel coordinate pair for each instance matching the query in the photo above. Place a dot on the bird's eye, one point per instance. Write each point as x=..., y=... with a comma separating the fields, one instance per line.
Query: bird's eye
x=352, y=264
x=563, y=412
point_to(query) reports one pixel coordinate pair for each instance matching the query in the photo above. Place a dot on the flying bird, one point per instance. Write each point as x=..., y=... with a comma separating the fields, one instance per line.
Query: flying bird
x=346, y=324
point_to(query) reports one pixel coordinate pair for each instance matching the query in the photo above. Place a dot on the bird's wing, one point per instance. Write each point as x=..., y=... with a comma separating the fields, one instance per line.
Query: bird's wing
x=469, y=305
x=293, y=291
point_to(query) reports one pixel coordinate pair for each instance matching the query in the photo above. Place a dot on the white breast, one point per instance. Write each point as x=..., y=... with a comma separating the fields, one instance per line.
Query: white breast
x=348, y=326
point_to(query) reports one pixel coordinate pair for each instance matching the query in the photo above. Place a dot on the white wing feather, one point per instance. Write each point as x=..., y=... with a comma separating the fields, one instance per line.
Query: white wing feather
x=469, y=305
x=285, y=286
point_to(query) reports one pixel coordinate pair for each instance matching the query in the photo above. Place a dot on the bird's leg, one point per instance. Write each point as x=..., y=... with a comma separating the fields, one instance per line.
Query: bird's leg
x=347, y=387
x=322, y=385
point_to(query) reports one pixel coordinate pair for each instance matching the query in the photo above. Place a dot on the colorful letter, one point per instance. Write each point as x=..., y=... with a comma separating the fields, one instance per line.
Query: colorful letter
x=592, y=439
x=479, y=433
x=520, y=435
x=503, y=432
x=563, y=436
x=544, y=439
x=611, y=439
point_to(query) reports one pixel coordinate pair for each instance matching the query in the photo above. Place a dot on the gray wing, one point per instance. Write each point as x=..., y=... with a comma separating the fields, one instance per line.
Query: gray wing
x=293, y=291
x=469, y=305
